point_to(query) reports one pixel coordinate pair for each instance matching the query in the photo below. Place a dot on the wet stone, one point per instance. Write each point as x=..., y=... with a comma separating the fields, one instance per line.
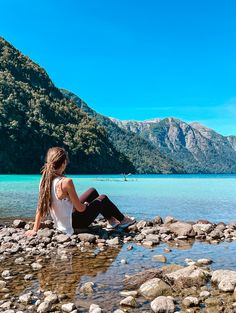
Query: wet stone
x=19, y=260
x=86, y=237
x=87, y=287
x=19, y=223
x=2, y=284
x=190, y=301
x=28, y=277
x=62, y=238
x=52, y=298
x=25, y=298
x=44, y=307
x=123, y=261
x=113, y=241
x=68, y=307
x=36, y=266
x=163, y=305
x=132, y=293
x=153, y=288
x=6, y=274
x=45, y=233
x=6, y=305
x=129, y=301
x=147, y=243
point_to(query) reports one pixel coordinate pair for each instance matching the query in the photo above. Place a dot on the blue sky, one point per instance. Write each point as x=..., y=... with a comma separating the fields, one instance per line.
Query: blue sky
x=133, y=59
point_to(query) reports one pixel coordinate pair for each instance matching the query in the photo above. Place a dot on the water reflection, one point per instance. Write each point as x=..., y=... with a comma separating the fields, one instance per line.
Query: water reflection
x=64, y=276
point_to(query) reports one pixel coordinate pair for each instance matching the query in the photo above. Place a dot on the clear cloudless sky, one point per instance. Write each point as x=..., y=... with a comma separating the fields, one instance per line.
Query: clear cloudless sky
x=135, y=59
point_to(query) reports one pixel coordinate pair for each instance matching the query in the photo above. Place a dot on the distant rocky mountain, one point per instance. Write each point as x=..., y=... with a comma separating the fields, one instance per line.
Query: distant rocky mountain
x=145, y=157
x=35, y=115
x=232, y=141
x=196, y=147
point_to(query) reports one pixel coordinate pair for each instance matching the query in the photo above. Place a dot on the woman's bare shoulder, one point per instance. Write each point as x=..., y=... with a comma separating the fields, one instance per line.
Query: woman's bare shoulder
x=67, y=180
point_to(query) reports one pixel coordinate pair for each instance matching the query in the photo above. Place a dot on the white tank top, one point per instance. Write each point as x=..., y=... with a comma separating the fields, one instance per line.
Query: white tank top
x=61, y=210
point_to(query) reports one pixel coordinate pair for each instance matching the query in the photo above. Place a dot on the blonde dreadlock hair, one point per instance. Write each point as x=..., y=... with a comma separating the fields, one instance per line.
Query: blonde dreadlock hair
x=55, y=157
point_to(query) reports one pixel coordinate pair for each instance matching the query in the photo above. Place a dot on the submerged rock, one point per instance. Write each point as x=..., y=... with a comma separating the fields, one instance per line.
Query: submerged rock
x=153, y=288
x=87, y=287
x=160, y=258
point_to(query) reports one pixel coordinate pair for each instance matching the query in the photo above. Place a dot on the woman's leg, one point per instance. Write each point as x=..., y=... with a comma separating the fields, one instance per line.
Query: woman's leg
x=102, y=204
x=108, y=209
x=89, y=195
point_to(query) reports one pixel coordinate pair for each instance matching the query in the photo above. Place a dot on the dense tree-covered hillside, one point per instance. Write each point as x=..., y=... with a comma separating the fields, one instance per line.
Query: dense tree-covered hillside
x=35, y=115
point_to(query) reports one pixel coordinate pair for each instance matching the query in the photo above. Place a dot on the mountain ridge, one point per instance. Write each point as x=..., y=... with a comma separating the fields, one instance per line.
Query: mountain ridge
x=193, y=143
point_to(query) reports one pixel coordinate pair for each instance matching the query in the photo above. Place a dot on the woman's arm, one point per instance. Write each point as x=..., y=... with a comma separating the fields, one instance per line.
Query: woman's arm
x=70, y=189
x=37, y=222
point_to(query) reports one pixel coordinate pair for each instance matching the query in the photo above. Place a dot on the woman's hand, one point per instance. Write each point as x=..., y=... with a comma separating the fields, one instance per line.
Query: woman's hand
x=30, y=233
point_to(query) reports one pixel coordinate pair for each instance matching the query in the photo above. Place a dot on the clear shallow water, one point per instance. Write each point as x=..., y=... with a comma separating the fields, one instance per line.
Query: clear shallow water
x=187, y=197
x=104, y=268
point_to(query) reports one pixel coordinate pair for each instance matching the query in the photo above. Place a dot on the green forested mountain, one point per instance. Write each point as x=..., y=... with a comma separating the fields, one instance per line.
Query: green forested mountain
x=145, y=157
x=35, y=115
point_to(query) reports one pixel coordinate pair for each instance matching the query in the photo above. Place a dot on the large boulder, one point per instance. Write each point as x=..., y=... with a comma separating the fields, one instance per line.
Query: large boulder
x=225, y=279
x=153, y=288
x=190, y=274
x=182, y=229
x=201, y=228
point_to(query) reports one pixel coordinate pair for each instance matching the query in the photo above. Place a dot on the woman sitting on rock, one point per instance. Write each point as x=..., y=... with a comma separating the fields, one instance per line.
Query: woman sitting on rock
x=69, y=212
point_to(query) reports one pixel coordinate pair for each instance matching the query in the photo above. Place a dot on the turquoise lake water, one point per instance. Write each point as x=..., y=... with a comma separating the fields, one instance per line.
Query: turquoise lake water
x=186, y=197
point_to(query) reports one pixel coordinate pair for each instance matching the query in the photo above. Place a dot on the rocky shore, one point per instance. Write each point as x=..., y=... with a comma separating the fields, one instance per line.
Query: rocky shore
x=169, y=288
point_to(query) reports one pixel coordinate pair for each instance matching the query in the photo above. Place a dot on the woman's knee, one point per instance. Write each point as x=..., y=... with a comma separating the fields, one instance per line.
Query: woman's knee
x=92, y=189
x=103, y=197
x=92, y=192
